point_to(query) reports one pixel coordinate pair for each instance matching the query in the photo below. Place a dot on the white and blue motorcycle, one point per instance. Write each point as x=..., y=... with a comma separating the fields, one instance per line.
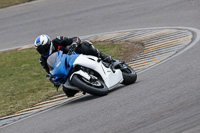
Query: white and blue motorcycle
x=88, y=73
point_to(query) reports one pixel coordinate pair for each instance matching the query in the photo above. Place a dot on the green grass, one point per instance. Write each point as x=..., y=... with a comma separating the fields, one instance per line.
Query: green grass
x=22, y=78
x=7, y=3
x=22, y=81
x=115, y=50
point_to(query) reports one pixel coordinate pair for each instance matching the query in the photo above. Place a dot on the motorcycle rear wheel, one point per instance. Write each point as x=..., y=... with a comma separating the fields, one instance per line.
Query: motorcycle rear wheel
x=129, y=75
x=97, y=88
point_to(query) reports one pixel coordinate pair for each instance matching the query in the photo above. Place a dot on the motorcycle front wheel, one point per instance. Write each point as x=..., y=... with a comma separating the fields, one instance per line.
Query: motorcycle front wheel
x=94, y=87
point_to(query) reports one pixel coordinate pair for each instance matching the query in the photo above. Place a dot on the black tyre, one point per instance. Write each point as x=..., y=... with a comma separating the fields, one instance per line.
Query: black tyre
x=95, y=87
x=129, y=75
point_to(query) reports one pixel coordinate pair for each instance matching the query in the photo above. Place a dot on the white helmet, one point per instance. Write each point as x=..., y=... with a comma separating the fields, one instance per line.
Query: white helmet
x=42, y=44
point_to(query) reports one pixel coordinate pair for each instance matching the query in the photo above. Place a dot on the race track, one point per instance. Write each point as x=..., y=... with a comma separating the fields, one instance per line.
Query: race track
x=165, y=99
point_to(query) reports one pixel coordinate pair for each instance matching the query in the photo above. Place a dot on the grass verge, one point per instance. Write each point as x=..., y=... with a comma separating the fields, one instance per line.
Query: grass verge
x=7, y=3
x=23, y=81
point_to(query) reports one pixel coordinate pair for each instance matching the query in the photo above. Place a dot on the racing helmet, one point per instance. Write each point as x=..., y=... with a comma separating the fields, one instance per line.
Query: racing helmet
x=42, y=44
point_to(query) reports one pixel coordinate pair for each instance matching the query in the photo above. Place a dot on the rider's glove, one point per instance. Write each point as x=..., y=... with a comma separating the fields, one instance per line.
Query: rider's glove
x=72, y=47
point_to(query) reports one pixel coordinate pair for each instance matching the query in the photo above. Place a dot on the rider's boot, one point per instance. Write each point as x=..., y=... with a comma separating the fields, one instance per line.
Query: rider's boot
x=106, y=58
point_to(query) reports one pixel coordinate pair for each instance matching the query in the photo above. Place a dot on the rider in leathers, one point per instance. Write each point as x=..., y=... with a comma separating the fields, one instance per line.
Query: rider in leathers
x=46, y=47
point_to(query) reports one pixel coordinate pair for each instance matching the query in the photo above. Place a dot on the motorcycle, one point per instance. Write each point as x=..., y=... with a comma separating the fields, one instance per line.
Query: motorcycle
x=88, y=73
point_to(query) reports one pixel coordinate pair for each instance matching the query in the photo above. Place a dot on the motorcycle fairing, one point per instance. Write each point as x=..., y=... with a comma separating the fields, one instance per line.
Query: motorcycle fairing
x=62, y=67
x=110, y=78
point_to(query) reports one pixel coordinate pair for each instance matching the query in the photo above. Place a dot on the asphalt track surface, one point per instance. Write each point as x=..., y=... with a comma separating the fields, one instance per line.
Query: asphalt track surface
x=165, y=99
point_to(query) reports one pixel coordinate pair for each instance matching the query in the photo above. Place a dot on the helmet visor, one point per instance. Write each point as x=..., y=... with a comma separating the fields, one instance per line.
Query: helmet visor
x=43, y=49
